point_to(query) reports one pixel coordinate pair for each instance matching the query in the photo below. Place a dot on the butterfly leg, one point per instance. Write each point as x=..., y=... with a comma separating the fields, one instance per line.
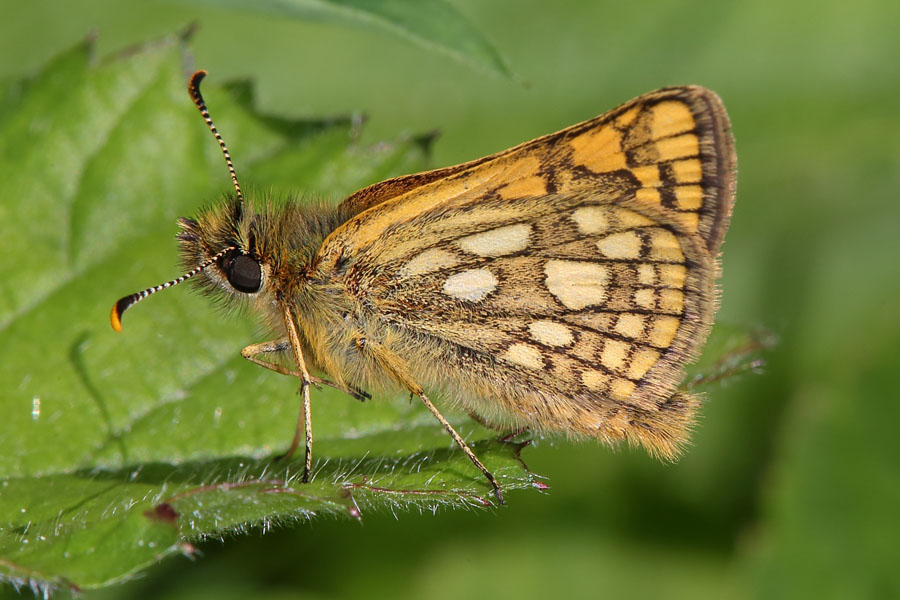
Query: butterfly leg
x=271, y=347
x=396, y=367
x=462, y=445
x=282, y=345
x=305, y=412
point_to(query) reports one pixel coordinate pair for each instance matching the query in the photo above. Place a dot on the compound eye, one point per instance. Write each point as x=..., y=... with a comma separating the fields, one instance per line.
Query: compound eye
x=244, y=274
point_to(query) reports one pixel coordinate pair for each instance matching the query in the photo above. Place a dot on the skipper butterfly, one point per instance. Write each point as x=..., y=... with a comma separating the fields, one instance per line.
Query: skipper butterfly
x=559, y=286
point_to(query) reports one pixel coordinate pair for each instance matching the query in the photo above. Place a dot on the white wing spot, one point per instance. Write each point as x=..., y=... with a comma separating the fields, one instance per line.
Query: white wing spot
x=472, y=285
x=497, y=242
x=630, y=325
x=576, y=284
x=621, y=389
x=642, y=361
x=646, y=274
x=594, y=380
x=551, y=333
x=614, y=355
x=428, y=261
x=590, y=219
x=663, y=331
x=625, y=244
x=524, y=355
x=666, y=246
x=672, y=275
x=645, y=298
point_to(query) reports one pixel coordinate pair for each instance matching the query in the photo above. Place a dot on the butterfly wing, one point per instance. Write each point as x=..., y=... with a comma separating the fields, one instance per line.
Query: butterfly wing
x=690, y=122
x=568, y=279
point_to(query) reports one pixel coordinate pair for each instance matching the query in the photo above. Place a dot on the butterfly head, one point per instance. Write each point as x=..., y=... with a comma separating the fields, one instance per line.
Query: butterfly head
x=227, y=238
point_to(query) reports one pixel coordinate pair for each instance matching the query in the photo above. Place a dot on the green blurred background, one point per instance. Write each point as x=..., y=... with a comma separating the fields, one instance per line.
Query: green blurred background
x=792, y=486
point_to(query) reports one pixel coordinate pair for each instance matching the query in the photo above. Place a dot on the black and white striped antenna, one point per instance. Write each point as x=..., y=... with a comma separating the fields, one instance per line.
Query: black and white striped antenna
x=115, y=317
x=194, y=91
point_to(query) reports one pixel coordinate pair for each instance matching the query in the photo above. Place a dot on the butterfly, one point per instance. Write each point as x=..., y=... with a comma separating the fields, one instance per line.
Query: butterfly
x=559, y=286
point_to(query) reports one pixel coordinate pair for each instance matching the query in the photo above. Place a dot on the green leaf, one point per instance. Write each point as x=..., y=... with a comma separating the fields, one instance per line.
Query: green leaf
x=433, y=24
x=118, y=450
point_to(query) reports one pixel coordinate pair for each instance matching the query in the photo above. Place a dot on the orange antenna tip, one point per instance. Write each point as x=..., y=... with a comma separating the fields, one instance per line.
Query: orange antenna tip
x=115, y=318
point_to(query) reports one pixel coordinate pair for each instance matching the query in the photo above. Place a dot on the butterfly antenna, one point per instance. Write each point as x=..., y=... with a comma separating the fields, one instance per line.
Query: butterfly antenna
x=194, y=91
x=115, y=317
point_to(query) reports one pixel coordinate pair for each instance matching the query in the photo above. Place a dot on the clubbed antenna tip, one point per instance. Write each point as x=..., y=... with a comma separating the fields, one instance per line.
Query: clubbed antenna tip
x=119, y=308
